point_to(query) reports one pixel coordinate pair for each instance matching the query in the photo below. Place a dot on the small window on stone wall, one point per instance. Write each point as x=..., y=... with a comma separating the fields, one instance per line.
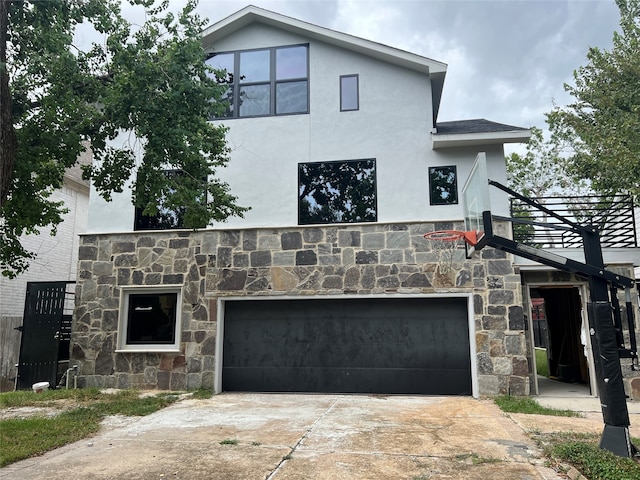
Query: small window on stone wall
x=149, y=319
x=443, y=185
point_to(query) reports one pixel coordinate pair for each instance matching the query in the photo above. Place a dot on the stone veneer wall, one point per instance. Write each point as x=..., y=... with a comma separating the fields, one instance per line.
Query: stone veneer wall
x=347, y=259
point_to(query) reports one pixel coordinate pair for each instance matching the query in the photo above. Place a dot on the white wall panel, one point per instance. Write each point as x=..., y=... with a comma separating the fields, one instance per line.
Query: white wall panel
x=393, y=125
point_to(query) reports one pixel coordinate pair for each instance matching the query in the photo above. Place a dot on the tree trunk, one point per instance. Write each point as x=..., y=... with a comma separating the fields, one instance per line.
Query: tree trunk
x=8, y=141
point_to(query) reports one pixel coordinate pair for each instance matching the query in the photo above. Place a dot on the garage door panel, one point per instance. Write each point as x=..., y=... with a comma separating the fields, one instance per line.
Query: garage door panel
x=349, y=380
x=347, y=345
x=326, y=354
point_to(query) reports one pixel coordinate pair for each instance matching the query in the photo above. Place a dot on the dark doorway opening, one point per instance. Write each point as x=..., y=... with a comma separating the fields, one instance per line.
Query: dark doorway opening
x=560, y=345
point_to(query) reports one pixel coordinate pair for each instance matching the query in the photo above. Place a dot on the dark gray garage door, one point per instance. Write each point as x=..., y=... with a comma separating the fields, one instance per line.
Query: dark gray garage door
x=407, y=345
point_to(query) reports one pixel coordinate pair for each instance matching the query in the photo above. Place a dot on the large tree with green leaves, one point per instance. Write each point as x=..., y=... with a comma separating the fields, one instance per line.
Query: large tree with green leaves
x=602, y=125
x=540, y=171
x=146, y=81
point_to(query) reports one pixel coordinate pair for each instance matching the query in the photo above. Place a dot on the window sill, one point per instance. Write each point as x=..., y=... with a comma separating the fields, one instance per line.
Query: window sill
x=149, y=349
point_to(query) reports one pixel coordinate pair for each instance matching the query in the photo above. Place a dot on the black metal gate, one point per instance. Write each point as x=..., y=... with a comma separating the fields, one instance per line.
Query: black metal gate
x=45, y=328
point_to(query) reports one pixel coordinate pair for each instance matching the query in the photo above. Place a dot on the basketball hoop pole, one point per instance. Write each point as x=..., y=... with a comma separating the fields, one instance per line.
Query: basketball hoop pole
x=615, y=437
x=477, y=216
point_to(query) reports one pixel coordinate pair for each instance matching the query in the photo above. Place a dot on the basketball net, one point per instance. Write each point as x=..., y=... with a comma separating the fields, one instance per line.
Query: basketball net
x=444, y=244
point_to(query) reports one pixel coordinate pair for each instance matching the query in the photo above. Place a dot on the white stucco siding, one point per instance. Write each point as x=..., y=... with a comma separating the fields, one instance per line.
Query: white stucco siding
x=114, y=216
x=392, y=125
x=263, y=172
x=254, y=36
x=463, y=159
x=118, y=214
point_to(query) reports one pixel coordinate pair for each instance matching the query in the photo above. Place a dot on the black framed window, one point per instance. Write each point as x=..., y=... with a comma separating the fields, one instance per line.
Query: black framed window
x=225, y=62
x=337, y=192
x=149, y=319
x=152, y=318
x=271, y=81
x=349, y=93
x=167, y=217
x=443, y=185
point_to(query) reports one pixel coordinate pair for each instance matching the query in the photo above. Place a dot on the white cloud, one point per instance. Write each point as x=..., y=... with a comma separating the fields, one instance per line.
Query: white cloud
x=367, y=23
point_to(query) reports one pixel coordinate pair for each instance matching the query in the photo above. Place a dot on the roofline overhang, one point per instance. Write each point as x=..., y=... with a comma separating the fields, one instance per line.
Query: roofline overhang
x=474, y=139
x=435, y=69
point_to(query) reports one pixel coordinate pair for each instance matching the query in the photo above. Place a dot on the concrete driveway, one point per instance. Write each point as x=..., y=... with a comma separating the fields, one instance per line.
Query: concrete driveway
x=291, y=436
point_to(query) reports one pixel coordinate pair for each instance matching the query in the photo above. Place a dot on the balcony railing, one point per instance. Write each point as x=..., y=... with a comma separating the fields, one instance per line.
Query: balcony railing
x=613, y=215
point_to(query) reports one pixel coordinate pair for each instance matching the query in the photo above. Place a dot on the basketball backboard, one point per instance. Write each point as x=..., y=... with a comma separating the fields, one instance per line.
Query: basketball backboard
x=476, y=201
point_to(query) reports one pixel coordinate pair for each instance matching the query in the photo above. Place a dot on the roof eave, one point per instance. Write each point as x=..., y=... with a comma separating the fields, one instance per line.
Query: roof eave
x=252, y=14
x=474, y=139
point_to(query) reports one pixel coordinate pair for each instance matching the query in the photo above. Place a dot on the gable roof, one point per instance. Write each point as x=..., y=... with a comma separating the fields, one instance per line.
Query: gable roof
x=251, y=14
x=460, y=133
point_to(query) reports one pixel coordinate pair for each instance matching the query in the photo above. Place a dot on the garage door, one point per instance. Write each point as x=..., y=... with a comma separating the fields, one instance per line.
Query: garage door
x=409, y=345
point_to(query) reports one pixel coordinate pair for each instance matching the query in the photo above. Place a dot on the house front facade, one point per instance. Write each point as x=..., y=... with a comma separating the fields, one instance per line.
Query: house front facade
x=327, y=284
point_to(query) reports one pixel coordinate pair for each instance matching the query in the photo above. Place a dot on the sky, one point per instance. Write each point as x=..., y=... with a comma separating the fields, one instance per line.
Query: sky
x=507, y=60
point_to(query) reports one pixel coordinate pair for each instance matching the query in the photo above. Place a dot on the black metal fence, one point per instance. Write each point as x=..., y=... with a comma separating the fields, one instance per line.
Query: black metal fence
x=612, y=215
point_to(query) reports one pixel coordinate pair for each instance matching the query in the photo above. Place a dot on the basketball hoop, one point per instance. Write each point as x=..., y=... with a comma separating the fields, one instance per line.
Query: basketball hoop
x=444, y=244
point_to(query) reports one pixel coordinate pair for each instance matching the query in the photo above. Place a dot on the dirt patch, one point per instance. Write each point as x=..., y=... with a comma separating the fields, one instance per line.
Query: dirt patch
x=49, y=409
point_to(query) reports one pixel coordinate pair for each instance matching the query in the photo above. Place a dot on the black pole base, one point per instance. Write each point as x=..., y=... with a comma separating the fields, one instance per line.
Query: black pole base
x=617, y=441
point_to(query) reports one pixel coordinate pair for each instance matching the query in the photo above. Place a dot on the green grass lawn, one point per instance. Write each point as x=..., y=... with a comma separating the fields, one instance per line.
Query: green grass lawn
x=511, y=404
x=580, y=450
x=34, y=435
x=583, y=452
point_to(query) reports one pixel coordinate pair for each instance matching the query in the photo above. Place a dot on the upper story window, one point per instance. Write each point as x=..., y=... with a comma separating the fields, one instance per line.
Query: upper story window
x=337, y=192
x=271, y=81
x=168, y=217
x=349, y=96
x=443, y=185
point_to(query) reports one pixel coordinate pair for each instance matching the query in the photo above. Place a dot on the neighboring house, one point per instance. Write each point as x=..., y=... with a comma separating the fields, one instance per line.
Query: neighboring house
x=56, y=261
x=320, y=289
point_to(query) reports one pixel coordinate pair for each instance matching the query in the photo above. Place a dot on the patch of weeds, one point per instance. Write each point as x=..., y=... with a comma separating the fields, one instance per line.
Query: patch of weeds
x=129, y=403
x=202, y=394
x=594, y=462
x=512, y=404
x=28, y=398
x=476, y=459
x=583, y=452
x=229, y=441
x=256, y=444
x=27, y=437
x=287, y=457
